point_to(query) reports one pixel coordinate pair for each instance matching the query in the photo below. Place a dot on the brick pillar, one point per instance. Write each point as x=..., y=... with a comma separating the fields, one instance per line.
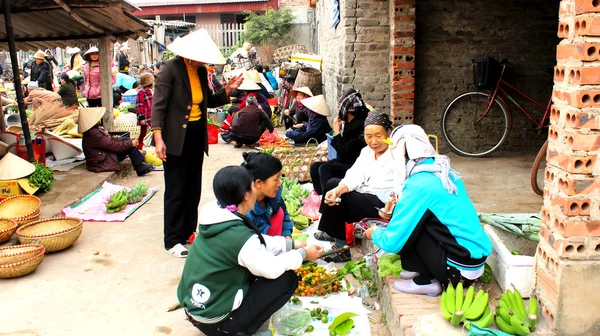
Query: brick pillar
x=568, y=256
x=402, y=53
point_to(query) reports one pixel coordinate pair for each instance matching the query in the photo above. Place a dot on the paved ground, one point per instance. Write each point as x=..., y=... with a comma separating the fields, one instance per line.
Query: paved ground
x=126, y=289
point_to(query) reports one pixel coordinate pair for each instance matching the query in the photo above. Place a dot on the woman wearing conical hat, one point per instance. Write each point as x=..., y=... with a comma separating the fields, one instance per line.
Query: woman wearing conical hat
x=40, y=71
x=317, y=126
x=298, y=114
x=179, y=114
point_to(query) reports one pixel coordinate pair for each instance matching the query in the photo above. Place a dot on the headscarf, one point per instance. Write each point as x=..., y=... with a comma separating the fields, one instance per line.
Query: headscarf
x=351, y=102
x=410, y=146
x=380, y=119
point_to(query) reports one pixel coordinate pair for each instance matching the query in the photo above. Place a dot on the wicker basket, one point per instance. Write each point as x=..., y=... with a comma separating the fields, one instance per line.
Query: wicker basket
x=127, y=122
x=16, y=261
x=296, y=161
x=7, y=229
x=26, y=220
x=55, y=234
x=20, y=207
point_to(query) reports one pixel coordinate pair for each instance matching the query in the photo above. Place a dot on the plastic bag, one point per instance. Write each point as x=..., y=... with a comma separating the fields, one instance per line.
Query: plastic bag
x=291, y=319
x=389, y=264
x=269, y=137
x=311, y=206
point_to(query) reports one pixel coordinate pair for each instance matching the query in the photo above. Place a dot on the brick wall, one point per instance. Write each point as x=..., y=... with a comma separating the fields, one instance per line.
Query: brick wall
x=451, y=33
x=356, y=53
x=568, y=256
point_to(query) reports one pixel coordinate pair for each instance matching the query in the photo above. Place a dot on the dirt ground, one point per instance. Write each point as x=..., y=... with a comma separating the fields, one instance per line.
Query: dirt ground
x=127, y=288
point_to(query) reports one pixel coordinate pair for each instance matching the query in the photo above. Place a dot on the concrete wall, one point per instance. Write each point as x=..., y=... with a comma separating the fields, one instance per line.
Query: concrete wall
x=356, y=52
x=450, y=33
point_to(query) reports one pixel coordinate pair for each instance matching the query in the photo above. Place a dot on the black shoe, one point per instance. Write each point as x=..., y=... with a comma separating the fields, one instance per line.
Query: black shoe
x=144, y=169
x=237, y=145
x=341, y=257
x=322, y=236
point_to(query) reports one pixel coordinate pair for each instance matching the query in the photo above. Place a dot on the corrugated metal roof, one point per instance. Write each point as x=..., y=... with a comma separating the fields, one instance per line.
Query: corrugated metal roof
x=157, y=3
x=40, y=24
x=178, y=24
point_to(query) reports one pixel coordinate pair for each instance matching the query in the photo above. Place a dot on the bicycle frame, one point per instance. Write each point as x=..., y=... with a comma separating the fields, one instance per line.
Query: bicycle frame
x=500, y=89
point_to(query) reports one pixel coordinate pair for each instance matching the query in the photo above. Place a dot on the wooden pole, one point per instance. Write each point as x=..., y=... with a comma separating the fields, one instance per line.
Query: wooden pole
x=105, y=57
x=17, y=78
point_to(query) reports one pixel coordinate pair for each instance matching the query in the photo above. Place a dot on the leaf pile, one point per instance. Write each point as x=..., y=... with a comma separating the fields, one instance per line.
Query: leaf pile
x=42, y=177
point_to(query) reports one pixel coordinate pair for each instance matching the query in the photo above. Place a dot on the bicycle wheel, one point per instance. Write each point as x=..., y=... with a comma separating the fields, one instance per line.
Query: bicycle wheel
x=538, y=170
x=469, y=131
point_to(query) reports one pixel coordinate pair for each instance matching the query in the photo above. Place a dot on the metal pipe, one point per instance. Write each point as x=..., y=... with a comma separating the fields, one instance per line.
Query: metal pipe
x=17, y=78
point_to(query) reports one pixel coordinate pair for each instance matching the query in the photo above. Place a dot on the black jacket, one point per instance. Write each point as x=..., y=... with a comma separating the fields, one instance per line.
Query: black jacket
x=40, y=73
x=68, y=94
x=248, y=120
x=123, y=63
x=349, y=143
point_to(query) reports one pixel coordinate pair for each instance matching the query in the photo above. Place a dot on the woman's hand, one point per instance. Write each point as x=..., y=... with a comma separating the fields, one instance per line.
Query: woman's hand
x=299, y=244
x=313, y=252
x=369, y=233
x=160, y=148
x=337, y=126
x=135, y=142
x=234, y=83
x=331, y=196
x=286, y=112
x=389, y=208
x=143, y=122
x=298, y=126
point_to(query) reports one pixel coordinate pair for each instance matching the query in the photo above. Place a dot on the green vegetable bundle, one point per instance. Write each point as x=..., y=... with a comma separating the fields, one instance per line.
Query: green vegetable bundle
x=42, y=177
x=523, y=225
x=389, y=264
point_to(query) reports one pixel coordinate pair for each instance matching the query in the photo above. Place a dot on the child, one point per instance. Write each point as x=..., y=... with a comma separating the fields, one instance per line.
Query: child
x=269, y=213
x=144, y=106
x=226, y=125
x=235, y=278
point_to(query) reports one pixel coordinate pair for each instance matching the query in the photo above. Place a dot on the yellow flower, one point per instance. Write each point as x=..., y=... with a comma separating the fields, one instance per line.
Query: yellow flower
x=388, y=141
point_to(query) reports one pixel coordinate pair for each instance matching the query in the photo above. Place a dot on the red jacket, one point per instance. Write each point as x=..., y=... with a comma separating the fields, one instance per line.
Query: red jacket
x=101, y=150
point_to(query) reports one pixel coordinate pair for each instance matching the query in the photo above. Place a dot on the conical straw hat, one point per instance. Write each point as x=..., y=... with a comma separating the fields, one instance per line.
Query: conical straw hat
x=89, y=117
x=304, y=90
x=317, y=104
x=13, y=167
x=249, y=85
x=39, y=55
x=253, y=75
x=197, y=46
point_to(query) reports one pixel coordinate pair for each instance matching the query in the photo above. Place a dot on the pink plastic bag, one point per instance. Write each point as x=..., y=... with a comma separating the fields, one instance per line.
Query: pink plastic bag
x=270, y=137
x=311, y=206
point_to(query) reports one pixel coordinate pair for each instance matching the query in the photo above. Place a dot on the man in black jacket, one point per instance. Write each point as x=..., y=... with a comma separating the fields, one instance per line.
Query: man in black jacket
x=40, y=71
x=124, y=60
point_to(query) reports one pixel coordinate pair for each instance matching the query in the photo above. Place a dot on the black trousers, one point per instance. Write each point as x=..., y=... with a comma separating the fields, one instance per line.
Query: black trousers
x=264, y=298
x=321, y=172
x=183, y=185
x=424, y=254
x=354, y=207
x=134, y=154
x=94, y=102
x=242, y=139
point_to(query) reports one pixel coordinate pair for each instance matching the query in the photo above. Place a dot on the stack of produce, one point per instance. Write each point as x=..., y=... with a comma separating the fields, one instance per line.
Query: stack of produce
x=292, y=193
x=42, y=177
x=153, y=159
x=67, y=127
x=119, y=200
x=137, y=193
x=469, y=308
x=315, y=280
x=523, y=225
x=511, y=315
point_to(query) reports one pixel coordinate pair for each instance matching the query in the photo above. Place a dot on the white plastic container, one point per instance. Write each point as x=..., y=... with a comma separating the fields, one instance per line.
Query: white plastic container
x=510, y=269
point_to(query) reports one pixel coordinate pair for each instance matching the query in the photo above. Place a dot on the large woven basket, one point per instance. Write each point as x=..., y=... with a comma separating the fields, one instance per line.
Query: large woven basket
x=7, y=229
x=127, y=122
x=20, y=207
x=296, y=161
x=26, y=220
x=16, y=261
x=55, y=234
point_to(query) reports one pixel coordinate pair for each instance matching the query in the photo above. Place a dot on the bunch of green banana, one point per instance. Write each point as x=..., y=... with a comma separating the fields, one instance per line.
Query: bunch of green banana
x=469, y=308
x=137, y=193
x=511, y=316
x=117, y=201
x=301, y=222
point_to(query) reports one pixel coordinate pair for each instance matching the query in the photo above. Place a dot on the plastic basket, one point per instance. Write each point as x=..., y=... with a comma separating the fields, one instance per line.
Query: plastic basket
x=486, y=72
x=132, y=99
x=332, y=151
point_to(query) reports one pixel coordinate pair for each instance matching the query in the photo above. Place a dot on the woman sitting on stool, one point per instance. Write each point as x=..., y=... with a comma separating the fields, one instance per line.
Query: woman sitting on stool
x=348, y=140
x=318, y=125
x=434, y=226
x=298, y=114
x=365, y=188
x=104, y=153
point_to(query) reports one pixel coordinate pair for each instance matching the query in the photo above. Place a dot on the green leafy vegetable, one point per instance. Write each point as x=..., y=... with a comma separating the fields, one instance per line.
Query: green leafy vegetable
x=42, y=177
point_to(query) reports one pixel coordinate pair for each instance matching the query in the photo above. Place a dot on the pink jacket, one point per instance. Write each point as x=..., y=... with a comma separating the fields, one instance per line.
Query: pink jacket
x=91, y=81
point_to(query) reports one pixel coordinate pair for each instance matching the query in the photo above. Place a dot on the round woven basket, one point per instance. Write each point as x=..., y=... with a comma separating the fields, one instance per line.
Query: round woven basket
x=7, y=229
x=20, y=207
x=16, y=261
x=25, y=220
x=55, y=234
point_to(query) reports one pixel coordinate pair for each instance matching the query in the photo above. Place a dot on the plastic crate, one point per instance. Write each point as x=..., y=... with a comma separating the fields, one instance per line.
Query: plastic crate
x=332, y=151
x=131, y=99
x=486, y=72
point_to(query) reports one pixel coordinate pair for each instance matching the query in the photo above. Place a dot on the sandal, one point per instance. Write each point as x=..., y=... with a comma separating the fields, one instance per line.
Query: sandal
x=341, y=257
x=322, y=236
x=177, y=251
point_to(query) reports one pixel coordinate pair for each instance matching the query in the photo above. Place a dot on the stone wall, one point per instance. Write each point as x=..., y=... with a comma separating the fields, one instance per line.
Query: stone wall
x=451, y=33
x=356, y=52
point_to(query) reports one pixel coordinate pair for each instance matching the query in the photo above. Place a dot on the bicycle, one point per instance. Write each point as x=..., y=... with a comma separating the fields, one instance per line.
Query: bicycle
x=487, y=111
x=537, y=175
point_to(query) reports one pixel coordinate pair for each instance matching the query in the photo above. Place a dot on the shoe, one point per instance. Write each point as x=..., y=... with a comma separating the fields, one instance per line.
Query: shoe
x=408, y=275
x=237, y=145
x=410, y=287
x=322, y=236
x=144, y=169
x=177, y=251
x=341, y=257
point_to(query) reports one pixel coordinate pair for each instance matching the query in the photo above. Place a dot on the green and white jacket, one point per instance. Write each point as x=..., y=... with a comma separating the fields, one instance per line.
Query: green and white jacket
x=224, y=258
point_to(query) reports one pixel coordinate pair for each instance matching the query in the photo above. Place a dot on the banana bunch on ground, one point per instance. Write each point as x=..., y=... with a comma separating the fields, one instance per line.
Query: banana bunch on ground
x=469, y=308
x=137, y=193
x=117, y=202
x=511, y=315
